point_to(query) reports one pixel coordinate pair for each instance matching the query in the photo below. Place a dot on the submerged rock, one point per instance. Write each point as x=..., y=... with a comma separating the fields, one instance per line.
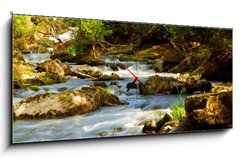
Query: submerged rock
x=67, y=103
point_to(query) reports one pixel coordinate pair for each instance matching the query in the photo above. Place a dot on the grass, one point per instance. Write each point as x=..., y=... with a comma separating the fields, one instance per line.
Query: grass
x=178, y=110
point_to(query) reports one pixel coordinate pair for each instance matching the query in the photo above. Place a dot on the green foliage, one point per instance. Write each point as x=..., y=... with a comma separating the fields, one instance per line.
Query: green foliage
x=22, y=26
x=89, y=33
x=178, y=110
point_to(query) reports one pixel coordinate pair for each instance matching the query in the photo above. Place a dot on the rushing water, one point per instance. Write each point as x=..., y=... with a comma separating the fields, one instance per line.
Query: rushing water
x=100, y=123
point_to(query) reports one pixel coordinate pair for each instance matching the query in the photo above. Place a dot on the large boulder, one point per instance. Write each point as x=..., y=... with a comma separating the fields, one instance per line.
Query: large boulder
x=156, y=84
x=56, y=67
x=67, y=103
x=207, y=111
x=42, y=78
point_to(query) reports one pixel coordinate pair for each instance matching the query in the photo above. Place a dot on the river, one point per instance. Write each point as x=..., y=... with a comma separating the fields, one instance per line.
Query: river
x=100, y=123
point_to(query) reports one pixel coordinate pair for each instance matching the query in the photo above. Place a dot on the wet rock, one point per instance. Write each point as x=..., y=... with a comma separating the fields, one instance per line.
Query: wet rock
x=150, y=127
x=100, y=84
x=156, y=84
x=40, y=79
x=202, y=85
x=158, y=66
x=117, y=130
x=167, y=117
x=182, y=88
x=113, y=67
x=122, y=66
x=63, y=56
x=67, y=103
x=80, y=59
x=53, y=67
x=169, y=126
x=207, y=111
x=135, y=85
x=105, y=77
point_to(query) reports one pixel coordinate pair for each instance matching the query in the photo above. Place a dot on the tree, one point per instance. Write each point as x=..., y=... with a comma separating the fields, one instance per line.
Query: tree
x=89, y=34
x=22, y=28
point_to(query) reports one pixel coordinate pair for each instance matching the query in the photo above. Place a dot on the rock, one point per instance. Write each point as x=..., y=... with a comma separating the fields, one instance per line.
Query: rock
x=63, y=56
x=53, y=67
x=182, y=88
x=122, y=66
x=67, y=103
x=208, y=111
x=135, y=85
x=117, y=130
x=158, y=66
x=74, y=77
x=80, y=59
x=113, y=67
x=115, y=76
x=169, y=126
x=202, y=85
x=150, y=127
x=156, y=84
x=167, y=117
x=66, y=68
x=166, y=129
x=105, y=77
x=40, y=79
x=22, y=71
x=100, y=84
